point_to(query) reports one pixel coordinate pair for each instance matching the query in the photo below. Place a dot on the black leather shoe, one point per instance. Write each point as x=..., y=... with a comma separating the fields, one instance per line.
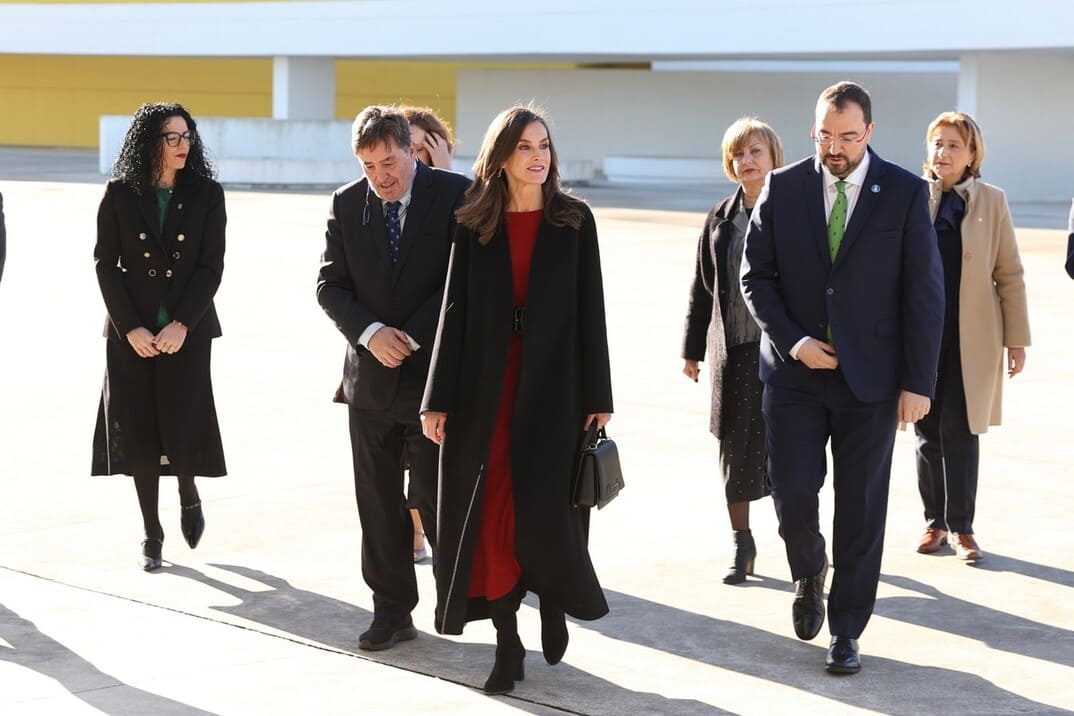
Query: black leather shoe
x=843, y=656
x=151, y=554
x=385, y=632
x=192, y=521
x=808, y=608
x=554, y=636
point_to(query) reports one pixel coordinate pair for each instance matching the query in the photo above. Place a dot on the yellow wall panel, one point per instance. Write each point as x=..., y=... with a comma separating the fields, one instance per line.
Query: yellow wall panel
x=56, y=101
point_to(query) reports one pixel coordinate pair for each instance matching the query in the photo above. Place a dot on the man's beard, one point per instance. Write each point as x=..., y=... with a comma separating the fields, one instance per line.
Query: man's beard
x=848, y=167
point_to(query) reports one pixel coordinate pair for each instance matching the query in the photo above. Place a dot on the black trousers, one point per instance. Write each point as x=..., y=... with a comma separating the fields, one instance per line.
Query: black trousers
x=799, y=424
x=948, y=454
x=383, y=443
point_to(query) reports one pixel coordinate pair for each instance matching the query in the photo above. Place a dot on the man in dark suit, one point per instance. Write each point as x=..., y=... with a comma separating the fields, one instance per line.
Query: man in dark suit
x=842, y=272
x=381, y=281
x=1070, y=243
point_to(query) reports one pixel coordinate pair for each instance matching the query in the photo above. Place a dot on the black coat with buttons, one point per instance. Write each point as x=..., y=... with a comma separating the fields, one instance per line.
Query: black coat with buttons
x=158, y=407
x=703, y=335
x=141, y=268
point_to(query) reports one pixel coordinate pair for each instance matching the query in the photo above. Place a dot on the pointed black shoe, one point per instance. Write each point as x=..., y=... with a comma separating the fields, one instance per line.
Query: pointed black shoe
x=745, y=554
x=554, y=636
x=510, y=654
x=151, y=554
x=807, y=611
x=843, y=656
x=192, y=521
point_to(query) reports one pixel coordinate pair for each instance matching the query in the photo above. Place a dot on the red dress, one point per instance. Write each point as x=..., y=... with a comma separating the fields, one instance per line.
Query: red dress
x=495, y=570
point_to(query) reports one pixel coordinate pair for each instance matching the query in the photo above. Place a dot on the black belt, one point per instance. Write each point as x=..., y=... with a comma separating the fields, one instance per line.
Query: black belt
x=518, y=323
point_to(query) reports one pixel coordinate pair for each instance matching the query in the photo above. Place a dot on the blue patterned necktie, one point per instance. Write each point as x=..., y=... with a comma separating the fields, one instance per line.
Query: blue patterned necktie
x=394, y=230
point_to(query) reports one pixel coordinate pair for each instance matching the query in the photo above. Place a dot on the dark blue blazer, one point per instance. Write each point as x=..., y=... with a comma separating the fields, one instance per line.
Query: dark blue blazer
x=883, y=295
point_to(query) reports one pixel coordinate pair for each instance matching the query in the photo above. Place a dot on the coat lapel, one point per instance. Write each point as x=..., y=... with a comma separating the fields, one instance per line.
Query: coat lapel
x=868, y=194
x=147, y=204
x=813, y=190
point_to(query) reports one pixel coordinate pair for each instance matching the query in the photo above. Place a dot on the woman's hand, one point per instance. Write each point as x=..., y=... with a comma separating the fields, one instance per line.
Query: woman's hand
x=690, y=370
x=439, y=154
x=141, y=341
x=601, y=418
x=432, y=425
x=171, y=338
x=1016, y=361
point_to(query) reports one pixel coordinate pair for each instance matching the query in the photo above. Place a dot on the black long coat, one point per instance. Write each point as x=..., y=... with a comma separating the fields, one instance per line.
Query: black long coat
x=164, y=403
x=703, y=335
x=565, y=375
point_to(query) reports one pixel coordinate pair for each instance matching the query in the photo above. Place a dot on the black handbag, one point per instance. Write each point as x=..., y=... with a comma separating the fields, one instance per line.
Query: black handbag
x=599, y=476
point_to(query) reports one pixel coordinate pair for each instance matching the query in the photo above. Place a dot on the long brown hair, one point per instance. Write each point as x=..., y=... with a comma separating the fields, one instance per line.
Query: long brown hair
x=485, y=204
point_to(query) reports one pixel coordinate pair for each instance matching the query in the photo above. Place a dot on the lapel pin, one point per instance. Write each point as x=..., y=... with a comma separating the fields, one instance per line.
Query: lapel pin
x=875, y=189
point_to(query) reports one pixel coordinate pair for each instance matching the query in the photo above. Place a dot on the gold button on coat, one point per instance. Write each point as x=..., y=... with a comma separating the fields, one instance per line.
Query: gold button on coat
x=180, y=237
x=146, y=254
x=168, y=273
x=142, y=236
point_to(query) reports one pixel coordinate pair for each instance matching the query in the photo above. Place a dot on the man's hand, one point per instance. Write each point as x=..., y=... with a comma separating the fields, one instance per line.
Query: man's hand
x=1016, y=361
x=913, y=407
x=690, y=370
x=432, y=425
x=818, y=355
x=390, y=346
x=141, y=341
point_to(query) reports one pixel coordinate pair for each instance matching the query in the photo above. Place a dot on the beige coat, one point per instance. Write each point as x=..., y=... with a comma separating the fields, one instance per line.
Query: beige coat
x=992, y=297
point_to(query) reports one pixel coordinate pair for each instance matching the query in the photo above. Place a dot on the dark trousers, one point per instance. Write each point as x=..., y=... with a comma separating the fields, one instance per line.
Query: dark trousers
x=383, y=443
x=799, y=424
x=948, y=454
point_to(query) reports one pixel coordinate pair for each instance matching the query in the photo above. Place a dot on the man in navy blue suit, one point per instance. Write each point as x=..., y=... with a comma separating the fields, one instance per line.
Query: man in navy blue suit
x=842, y=273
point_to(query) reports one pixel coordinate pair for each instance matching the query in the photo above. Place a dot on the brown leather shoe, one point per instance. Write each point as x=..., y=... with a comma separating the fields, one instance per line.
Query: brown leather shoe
x=932, y=540
x=966, y=547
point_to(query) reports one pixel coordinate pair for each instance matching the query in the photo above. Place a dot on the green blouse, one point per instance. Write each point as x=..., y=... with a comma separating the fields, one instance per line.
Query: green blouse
x=164, y=197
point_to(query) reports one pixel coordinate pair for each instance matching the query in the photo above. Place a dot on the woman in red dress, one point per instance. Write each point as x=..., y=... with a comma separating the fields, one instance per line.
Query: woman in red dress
x=519, y=370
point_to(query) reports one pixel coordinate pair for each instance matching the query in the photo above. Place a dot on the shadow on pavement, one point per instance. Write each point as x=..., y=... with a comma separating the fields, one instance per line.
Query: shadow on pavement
x=999, y=630
x=1000, y=563
x=33, y=650
x=314, y=617
x=884, y=685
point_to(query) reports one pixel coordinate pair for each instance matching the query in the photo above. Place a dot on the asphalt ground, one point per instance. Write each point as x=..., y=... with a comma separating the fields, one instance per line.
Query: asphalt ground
x=263, y=617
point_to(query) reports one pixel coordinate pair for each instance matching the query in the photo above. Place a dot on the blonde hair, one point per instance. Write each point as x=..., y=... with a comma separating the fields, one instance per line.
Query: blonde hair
x=967, y=128
x=739, y=135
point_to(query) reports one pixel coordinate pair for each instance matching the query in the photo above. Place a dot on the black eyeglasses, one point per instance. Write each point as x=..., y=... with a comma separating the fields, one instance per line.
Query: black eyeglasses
x=174, y=138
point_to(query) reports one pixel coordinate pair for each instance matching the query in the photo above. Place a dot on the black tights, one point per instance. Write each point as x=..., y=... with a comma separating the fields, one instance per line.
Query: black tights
x=147, y=484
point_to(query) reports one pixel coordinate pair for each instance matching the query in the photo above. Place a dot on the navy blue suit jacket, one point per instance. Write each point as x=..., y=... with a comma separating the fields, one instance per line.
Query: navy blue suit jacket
x=883, y=295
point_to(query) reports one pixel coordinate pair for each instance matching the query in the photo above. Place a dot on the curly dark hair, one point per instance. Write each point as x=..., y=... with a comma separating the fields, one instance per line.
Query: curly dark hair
x=138, y=163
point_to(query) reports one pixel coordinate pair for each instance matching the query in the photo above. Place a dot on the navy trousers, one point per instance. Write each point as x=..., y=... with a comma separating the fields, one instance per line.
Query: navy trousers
x=800, y=423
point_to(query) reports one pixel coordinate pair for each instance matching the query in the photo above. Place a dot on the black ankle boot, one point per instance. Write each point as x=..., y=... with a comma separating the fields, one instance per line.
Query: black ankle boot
x=509, y=650
x=554, y=636
x=151, y=554
x=745, y=554
x=192, y=521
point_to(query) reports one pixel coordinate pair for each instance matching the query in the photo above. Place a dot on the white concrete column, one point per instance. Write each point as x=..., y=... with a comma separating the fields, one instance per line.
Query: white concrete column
x=303, y=88
x=1024, y=103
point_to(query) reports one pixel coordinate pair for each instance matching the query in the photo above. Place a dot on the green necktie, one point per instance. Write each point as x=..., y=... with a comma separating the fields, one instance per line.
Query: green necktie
x=837, y=222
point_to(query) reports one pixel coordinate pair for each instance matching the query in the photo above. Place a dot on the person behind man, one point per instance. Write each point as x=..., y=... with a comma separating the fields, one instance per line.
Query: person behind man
x=842, y=272
x=381, y=281
x=3, y=237
x=1070, y=242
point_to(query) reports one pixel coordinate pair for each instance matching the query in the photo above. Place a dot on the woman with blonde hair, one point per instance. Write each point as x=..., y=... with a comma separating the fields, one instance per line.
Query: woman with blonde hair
x=519, y=371
x=985, y=300
x=719, y=324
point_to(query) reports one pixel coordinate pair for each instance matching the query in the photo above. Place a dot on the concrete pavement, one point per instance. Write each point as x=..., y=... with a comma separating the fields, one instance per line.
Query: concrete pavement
x=264, y=616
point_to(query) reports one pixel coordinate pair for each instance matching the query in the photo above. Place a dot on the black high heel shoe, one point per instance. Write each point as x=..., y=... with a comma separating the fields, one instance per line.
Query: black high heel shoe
x=554, y=636
x=193, y=523
x=151, y=554
x=745, y=554
x=508, y=668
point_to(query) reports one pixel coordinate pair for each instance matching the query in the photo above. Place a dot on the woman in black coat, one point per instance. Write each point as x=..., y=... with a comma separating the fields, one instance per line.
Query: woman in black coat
x=159, y=259
x=719, y=324
x=519, y=370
